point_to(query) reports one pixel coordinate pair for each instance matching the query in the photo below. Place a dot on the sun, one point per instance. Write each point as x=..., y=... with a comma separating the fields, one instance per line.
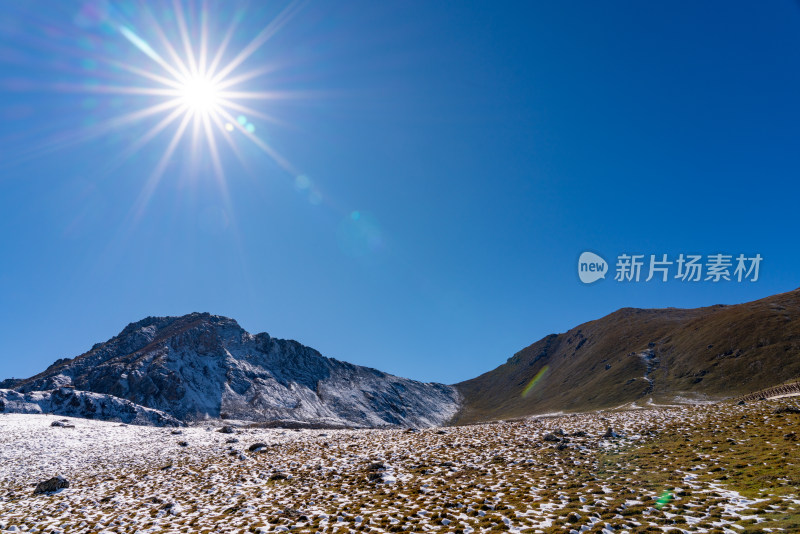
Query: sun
x=200, y=95
x=196, y=87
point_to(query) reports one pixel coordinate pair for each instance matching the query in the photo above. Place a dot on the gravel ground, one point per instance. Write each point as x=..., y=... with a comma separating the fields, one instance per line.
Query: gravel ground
x=706, y=468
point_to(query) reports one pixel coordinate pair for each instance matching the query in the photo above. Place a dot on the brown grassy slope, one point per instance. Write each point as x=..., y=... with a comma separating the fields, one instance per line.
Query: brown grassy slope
x=718, y=351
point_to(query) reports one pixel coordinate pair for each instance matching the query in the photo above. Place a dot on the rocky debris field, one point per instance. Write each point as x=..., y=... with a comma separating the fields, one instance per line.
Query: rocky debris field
x=707, y=468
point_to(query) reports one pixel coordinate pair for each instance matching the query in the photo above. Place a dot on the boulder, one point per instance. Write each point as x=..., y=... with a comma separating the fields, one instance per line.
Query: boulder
x=51, y=485
x=62, y=424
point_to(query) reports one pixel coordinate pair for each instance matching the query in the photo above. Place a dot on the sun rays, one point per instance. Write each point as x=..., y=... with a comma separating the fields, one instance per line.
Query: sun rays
x=194, y=87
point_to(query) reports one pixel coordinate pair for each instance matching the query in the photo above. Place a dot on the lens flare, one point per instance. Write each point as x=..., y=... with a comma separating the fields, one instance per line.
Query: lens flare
x=663, y=499
x=534, y=381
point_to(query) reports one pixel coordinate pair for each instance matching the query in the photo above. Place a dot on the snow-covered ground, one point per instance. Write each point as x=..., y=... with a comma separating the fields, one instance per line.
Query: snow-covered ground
x=511, y=476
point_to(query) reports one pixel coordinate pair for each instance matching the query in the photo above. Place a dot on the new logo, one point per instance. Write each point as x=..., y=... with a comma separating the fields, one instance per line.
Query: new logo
x=591, y=267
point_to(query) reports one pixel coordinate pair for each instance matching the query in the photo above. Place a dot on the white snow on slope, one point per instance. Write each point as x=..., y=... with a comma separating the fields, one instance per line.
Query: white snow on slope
x=70, y=402
x=204, y=366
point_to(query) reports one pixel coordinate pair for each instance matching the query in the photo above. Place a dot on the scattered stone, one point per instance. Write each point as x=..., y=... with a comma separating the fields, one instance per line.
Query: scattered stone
x=551, y=437
x=227, y=429
x=176, y=432
x=255, y=447
x=574, y=517
x=787, y=409
x=231, y=440
x=173, y=508
x=610, y=434
x=62, y=424
x=183, y=443
x=477, y=478
x=52, y=485
x=741, y=403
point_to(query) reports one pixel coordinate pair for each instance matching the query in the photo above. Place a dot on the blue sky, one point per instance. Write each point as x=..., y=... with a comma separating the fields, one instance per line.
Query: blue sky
x=441, y=166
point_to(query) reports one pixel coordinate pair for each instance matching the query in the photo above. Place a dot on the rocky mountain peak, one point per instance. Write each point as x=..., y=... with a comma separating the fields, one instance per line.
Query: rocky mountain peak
x=163, y=327
x=200, y=365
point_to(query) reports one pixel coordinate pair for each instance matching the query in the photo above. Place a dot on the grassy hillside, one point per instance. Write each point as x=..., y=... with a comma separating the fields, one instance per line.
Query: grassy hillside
x=635, y=355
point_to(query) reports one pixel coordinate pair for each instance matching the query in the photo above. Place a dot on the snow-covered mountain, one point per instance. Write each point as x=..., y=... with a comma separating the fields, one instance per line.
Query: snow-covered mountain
x=70, y=402
x=202, y=366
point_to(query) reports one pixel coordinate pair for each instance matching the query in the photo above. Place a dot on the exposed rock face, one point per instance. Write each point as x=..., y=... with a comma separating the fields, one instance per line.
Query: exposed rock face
x=204, y=366
x=73, y=403
x=10, y=383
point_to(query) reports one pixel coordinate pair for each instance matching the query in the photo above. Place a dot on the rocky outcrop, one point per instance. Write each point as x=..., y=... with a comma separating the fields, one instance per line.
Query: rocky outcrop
x=10, y=383
x=72, y=403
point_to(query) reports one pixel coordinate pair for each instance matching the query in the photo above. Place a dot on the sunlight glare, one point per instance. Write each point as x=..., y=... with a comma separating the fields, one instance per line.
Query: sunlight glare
x=198, y=88
x=200, y=94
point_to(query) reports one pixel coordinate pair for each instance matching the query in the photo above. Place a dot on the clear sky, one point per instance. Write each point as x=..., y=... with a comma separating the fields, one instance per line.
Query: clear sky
x=403, y=185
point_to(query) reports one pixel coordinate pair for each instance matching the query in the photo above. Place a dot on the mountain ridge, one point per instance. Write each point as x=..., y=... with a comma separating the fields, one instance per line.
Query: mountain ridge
x=645, y=354
x=200, y=366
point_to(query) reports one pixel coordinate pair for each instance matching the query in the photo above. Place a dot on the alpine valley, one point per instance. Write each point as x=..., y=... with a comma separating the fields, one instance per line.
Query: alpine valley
x=163, y=370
